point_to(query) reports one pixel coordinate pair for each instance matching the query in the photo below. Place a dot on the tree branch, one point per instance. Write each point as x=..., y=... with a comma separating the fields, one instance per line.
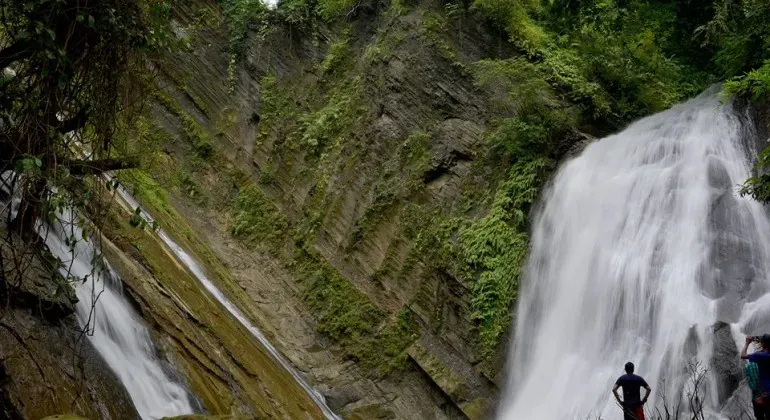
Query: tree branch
x=76, y=122
x=92, y=167
x=16, y=51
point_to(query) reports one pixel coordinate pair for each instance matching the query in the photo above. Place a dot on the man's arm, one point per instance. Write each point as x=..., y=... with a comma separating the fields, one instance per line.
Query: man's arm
x=648, y=391
x=615, y=392
x=745, y=351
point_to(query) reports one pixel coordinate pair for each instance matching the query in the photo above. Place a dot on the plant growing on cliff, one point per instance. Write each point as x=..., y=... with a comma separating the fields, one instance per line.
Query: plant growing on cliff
x=334, y=121
x=401, y=177
x=333, y=9
x=242, y=16
x=256, y=220
x=495, y=247
x=755, y=85
x=350, y=318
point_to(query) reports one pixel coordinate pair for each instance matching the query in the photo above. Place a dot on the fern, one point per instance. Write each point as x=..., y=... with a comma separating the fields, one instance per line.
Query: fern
x=495, y=248
x=755, y=85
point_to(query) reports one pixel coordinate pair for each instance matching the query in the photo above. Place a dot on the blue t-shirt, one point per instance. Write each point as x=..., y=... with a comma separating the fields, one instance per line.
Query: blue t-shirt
x=762, y=359
x=632, y=385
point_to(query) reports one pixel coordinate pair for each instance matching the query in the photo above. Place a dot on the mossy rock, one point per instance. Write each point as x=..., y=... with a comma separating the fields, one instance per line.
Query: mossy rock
x=370, y=412
x=64, y=417
x=204, y=417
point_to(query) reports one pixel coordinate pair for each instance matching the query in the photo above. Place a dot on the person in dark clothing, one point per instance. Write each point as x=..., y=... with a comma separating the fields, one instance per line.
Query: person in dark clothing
x=751, y=371
x=632, y=402
x=761, y=357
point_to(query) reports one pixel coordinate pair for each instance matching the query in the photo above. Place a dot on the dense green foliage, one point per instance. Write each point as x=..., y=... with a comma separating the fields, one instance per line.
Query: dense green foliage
x=754, y=85
x=615, y=62
x=495, y=248
x=740, y=32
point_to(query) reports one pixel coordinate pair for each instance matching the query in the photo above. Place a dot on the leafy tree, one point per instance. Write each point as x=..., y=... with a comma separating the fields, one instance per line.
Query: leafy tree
x=70, y=72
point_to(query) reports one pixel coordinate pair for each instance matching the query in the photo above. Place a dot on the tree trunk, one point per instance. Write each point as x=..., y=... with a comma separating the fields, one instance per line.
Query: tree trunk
x=30, y=210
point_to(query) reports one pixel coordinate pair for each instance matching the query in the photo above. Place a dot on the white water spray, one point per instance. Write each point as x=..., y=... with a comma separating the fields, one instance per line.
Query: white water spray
x=641, y=244
x=116, y=330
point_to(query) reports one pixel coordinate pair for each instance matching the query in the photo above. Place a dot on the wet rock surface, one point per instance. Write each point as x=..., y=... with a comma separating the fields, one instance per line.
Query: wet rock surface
x=725, y=362
x=224, y=367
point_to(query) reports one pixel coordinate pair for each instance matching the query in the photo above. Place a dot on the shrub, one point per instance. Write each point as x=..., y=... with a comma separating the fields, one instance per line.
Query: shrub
x=494, y=249
x=755, y=85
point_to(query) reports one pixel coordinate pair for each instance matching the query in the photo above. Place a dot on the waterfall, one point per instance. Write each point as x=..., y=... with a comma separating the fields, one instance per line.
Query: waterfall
x=639, y=247
x=115, y=329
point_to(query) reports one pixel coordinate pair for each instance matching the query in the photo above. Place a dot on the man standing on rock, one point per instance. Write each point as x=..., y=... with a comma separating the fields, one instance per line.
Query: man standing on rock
x=761, y=357
x=632, y=402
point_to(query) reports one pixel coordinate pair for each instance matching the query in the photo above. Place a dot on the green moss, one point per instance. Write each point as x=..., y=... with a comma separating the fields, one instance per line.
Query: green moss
x=350, y=318
x=394, y=341
x=389, y=263
x=256, y=220
x=199, y=140
x=400, y=179
x=147, y=190
x=344, y=313
x=191, y=131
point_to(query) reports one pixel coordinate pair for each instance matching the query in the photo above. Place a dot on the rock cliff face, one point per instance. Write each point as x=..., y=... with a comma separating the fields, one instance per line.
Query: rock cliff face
x=327, y=171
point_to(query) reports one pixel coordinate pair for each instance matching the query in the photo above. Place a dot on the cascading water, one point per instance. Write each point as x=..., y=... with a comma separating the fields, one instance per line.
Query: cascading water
x=640, y=246
x=116, y=331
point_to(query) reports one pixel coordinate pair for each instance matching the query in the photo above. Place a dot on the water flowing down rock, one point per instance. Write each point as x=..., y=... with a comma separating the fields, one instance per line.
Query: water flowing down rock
x=115, y=329
x=641, y=246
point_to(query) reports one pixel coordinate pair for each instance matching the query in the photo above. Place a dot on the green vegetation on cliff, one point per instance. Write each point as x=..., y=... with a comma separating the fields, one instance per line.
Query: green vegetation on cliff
x=495, y=248
x=388, y=156
x=571, y=66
